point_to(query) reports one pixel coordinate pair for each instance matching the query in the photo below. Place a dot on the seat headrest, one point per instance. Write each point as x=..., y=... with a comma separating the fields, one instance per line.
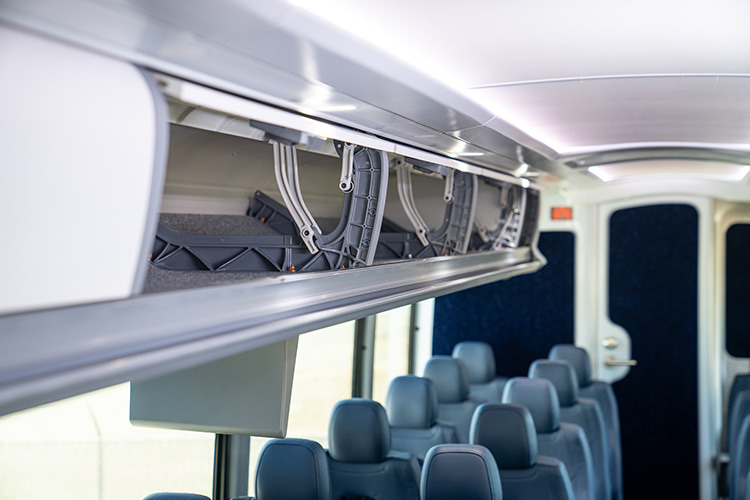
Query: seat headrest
x=411, y=402
x=563, y=377
x=453, y=471
x=478, y=359
x=165, y=495
x=540, y=397
x=449, y=376
x=292, y=468
x=508, y=432
x=578, y=357
x=359, y=432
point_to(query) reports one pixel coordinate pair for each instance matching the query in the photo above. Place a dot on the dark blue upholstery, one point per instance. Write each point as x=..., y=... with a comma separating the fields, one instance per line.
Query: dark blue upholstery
x=412, y=408
x=292, y=469
x=455, y=407
x=580, y=411
x=508, y=432
x=566, y=442
x=602, y=393
x=460, y=471
x=739, y=463
x=360, y=462
x=175, y=496
x=479, y=361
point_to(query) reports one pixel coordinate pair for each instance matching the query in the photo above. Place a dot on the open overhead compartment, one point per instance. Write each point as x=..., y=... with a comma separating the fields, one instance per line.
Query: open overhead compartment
x=317, y=196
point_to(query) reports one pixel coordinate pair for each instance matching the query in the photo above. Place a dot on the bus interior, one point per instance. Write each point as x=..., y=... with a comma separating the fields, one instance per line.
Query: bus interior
x=225, y=224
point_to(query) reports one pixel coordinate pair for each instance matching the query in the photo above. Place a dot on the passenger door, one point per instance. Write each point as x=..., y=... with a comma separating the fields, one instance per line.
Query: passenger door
x=649, y=315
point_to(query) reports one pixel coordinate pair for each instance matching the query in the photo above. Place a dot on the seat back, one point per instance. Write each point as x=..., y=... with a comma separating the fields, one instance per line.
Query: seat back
x=739, y=463
x=165, y=495
x=360, y=463
x=740, y=410
x=455, y=407
x=602, y=393
x=463, y=471
x=566, y=442
x=302, y=460
x=479, y=361
x=741, y=382
x=508, y=431
x=412, y=408
x=580, y=411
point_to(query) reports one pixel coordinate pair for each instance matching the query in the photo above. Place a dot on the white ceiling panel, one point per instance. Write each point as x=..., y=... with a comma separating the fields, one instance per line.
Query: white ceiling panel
x=584, y=116
x=480, y=42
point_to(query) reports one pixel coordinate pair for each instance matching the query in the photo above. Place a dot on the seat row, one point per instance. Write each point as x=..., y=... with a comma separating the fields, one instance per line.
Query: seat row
x=738, y=439
x=552, y=393
x=297, y=469
x=501, y=462
x=376, y=452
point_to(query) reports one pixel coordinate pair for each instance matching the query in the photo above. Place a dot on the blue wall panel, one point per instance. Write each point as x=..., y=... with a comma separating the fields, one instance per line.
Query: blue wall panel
x=521, y=318
x=738, y=291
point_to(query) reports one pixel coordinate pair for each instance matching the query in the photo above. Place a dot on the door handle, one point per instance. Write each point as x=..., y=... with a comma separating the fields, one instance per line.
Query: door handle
x=611, y=361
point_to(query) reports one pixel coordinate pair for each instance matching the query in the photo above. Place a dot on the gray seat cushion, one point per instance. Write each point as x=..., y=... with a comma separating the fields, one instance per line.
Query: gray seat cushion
x=602, y=393
x=740, y=410
x=165, y=495
x=360, y=462
x=455, y=407
x=508, y=432
x=302, y=460
x=579, y=411
x=739, y=463
x=412, y=408
x=479, y=361
x=566, y=442
x=457, y=471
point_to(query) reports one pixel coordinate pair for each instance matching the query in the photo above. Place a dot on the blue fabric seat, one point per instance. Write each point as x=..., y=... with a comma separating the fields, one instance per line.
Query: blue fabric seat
x=508, y=432
x=292, y=469
x=360, y=460
x=460, y=471
x=412, y=407
x=455, y=406
x=479, y=361
x=566, y=442
x=602, y=393
x=581, y=411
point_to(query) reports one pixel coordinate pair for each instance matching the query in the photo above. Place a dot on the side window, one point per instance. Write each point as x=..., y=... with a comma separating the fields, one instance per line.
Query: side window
x=322, y=377
x=86, y=447
x=737, y=290
x=391, y=349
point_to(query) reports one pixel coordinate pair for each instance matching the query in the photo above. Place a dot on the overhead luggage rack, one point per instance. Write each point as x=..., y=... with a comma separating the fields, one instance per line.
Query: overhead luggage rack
x=514, y=224
x=459, y=195
x=280, y=232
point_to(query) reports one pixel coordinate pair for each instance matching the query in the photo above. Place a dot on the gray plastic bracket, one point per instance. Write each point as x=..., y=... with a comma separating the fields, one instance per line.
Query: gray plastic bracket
x=406, y=195
x=448, y=191
x=507, y=233
x=460, y=196
x=347, y=168
x=510, y=233
x=355, y=239
x=287, y=177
